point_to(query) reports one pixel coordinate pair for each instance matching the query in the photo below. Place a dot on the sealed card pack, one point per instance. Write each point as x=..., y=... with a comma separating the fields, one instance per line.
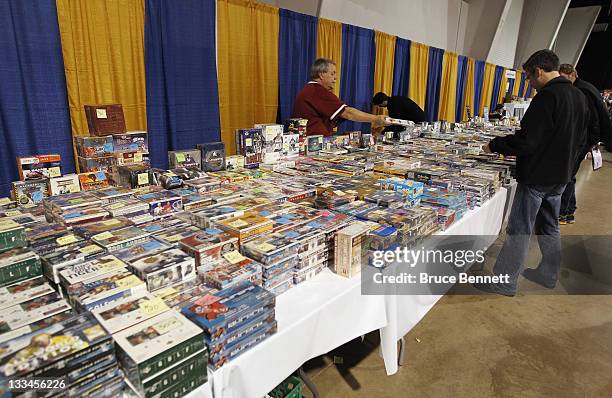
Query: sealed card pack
x=164, y=269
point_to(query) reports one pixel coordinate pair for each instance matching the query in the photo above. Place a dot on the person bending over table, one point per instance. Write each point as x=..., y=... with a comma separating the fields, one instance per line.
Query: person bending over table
x=323, y=109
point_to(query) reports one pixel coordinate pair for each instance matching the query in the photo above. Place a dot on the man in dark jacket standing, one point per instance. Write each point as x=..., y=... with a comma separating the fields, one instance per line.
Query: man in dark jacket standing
x=399, y=107
x=547, y=148
x=599, y=130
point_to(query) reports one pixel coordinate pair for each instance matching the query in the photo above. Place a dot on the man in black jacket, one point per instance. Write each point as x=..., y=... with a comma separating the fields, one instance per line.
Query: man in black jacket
x=399, y=107
x=547, y=148
x=599, y=130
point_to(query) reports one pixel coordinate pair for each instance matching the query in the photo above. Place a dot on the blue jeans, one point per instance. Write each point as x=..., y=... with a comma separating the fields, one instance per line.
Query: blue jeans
x=535, y=210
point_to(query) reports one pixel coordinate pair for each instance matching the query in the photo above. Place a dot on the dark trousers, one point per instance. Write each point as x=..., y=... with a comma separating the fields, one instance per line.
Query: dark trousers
x=535, y=210
x=568, y=199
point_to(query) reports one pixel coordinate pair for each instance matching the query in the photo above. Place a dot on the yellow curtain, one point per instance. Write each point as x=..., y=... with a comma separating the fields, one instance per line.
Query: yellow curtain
x=329, y=45
x=487, y=87
x=383, y=70
x=103, y=49
x=419, y=63
x=247, y=66
x=448, y=88
x=468, y=99
x=503, y=89
x=517, y=84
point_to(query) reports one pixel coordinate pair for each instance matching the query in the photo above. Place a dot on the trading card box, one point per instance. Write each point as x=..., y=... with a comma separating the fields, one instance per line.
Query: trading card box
x=34, y=326
x=104, y=119
x=54, y=351
x=208, y=216
x=272, y=281
x=189, y=173
x=44, y=232
x=179, y=295
x=356, y=207
x=230, y=339
x=282, y=287
x=111, y=287
x=156, y=344
x=7, y=203
x=162, y=203
x=127, y=208
x=296, y=125
x=26, y=219
x=185, y=158
x=93, y=180
x=133, y=176
x=227, y=310
x=196, y=201
x=130, y=311
x=23, y=291
x=71, y=201
x=226, y=176
x=130, y=158
x=89, y=147
x=291, y=145
x=209, y=245
x=173, y=236
x=184, y=386
x=131, y=141
x=91, y=165
x=314, y=144
x=308, y=273
x=63, y=185
x=36, y=309
x=10, y=213
x=204, y=184
x=349, y=249
x=165, y=384
x=225, y=273
x=246, y=225
x=37, y=167
x=82, y=215
x=389, y=199
x=250, y=143
x=313, y=258
x=94, y=228
x=251, y=336
x=97, y=383
x=53, y=262
x=273, y=270
x=17, y=265
x=164, y=269
x=94, y=269
x=234, y=162
x=29, y=193
x=270, y=248
x=120, y=238
x=166, y=179
x=157, y=226
x=213, y=156
x=12, y=235
x=149, y=247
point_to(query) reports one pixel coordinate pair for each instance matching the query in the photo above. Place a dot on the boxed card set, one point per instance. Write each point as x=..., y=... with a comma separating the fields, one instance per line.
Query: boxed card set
x=250, y=143
x=41, y=166
x=185, y=158
x=213, y=156
x=164, y=269
x=120, y=238
x=18, y=264
x=63, y=185
x=106, y=119
x=91, y=146
x=131, y=141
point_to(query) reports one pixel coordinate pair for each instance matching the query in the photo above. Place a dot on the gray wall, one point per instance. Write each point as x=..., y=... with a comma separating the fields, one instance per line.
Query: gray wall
x=574, y=32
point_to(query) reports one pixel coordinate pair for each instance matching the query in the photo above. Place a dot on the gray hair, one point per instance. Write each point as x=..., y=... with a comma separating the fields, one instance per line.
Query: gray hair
x=321, y=65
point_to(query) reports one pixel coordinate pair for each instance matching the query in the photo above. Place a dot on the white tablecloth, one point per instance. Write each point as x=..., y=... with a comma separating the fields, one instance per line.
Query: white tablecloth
x=313, y=318
x=405, y=311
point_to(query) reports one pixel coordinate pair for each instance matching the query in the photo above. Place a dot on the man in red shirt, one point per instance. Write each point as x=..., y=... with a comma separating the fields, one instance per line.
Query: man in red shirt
x=317, y=102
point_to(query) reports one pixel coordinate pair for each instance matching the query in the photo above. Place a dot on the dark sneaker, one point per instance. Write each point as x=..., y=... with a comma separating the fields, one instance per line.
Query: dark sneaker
x=534, y=276
x=493, y=288
x=569, y=219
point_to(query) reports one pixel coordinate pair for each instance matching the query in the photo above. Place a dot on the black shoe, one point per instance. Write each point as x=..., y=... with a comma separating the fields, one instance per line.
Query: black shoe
x=493, y=288
x=534, y=276
x=562, y=220
x=569, y=219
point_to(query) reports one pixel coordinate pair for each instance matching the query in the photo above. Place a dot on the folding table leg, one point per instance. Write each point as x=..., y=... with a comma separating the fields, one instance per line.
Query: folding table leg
x=402, y=351
x=308, y=382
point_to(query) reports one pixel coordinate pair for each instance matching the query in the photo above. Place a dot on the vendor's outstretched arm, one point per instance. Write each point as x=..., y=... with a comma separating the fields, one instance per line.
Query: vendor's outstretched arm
x=355, y=115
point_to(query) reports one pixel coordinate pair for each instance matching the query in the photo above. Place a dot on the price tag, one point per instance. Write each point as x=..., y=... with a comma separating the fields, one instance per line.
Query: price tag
x=12, y=213
x=265, y=247
x=104, y=236
x=129, y=282
x=180, y=157
x=110, y=222
x=234, y=257
x=174, y=238
x=169, y=291
x=55, y=172
x=137, y=157
x=90, y=249
x=66, y=240
x=166, y=325
x=238, y=224
x=339, y=193
x=113, y=263
x=4, y=201
x=153, y=307
x=143, y=179
x=101, y=113
x=248, y=142
x=321, y=140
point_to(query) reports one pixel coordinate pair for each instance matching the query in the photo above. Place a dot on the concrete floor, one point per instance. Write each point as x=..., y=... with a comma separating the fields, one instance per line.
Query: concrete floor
x=539, y=344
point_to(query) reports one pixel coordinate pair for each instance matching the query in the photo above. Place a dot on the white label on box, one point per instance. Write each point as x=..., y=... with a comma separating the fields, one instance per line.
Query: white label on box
x=101, y=113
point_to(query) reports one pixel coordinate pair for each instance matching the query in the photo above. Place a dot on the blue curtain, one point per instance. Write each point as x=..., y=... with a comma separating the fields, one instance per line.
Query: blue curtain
x=461, y=82
x=499, y=71
x=401, y=67
x=34, y=117
x=297, y=49
x=434, y=79
x=357, y=77
x=479, y=68
x=181, y=76
x=522, y=86
x=528, y=93
x=510, y=86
